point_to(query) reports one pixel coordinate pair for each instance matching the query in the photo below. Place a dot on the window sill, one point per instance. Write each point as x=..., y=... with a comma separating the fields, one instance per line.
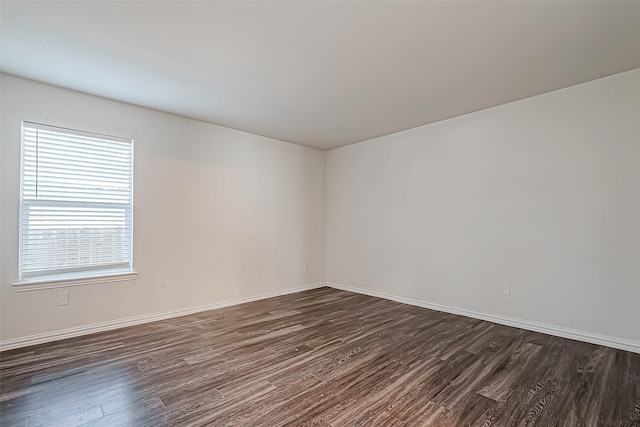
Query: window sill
x=39, y=283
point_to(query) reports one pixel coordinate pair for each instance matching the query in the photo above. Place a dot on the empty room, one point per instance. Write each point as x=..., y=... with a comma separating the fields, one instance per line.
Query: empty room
x=319, y=213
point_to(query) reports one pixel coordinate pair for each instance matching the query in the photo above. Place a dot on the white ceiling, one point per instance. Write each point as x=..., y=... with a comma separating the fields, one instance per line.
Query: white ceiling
x=322, y=74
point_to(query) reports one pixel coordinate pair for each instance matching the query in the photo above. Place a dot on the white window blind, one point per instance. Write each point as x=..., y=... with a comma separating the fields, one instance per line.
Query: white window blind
x=76, y=203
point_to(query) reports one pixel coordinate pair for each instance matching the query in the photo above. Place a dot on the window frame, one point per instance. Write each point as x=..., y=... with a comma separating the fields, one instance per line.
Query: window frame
x=77, y=276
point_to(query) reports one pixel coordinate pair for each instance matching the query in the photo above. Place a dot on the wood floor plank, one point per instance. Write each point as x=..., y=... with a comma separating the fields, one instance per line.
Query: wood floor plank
x=325, y=358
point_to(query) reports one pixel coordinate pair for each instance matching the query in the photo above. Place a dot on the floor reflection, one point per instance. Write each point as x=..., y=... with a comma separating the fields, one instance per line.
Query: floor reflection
x=76, y=398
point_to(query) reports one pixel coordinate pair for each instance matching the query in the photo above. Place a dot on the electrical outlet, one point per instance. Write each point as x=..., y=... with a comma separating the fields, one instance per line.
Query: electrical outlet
x=306, y=267
x=506, y=288
x=63, y=298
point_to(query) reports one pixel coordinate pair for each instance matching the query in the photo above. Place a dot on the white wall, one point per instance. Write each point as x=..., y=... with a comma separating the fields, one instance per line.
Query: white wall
x=543, y=193
x=219, y=214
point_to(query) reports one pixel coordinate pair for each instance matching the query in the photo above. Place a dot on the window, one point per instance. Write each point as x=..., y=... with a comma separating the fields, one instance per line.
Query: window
x=76, y=204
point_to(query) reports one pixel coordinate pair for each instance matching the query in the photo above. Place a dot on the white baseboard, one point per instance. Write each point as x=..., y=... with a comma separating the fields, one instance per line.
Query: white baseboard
x=608, y=341
x=137, y=320
x=573, y=334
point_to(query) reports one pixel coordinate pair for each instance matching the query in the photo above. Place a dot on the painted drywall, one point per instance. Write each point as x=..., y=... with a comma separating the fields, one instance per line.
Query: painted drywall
x=542, y=193
x=219, y=214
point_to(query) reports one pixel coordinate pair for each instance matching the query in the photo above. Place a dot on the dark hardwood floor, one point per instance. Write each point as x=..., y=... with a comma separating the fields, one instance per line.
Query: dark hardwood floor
x=319, y=358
